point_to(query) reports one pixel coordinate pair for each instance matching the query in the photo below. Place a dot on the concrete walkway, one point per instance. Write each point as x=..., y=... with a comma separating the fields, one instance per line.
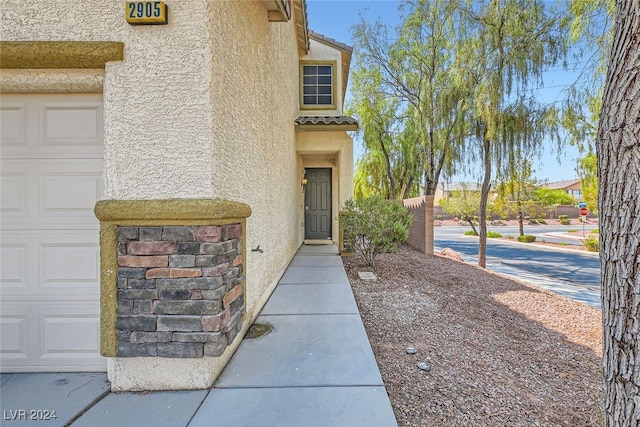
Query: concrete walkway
x=314, y=368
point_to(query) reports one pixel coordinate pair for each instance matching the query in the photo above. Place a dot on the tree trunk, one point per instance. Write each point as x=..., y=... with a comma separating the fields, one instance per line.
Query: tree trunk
x=618, y=149
x=521, y=222
x=392, y=184
x=473, y=227
x=484, y=197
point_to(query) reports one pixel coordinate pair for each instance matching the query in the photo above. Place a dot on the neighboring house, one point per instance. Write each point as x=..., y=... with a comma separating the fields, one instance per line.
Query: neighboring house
x=210, y=149
x=446, y=189
x=573, y=187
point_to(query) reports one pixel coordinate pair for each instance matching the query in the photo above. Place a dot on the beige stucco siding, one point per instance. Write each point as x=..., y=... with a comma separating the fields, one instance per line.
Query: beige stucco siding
x=201, y=107
x=254, y=137
x=157, y=101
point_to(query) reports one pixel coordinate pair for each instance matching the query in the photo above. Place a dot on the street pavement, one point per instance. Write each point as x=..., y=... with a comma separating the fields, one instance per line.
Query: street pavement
x=566, y=271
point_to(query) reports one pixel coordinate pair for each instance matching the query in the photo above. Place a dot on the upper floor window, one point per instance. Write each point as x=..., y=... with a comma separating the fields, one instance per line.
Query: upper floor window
x=318, y=85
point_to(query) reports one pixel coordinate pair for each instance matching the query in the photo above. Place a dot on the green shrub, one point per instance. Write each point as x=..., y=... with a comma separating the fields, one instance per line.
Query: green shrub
x=561, y=217
x=526, y=238
x=439, y=217
x=542, y=221
x=595, y=231
x=470, y=233
x=533, y=221
x=592, y=245
x=493, y=234
x=565, y=222
x=375, y=225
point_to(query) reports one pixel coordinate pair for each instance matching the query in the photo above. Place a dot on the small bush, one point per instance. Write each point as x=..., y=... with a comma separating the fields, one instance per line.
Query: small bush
x=572, y=231
x=374, y=226
x=542, y=221
x=592, y=245
x=470, y=233
x=532, y=221
x=526, y=238
x=439, y=217
x=493, y=234
x=595, y=231
x=561, y=217
x=565, y=222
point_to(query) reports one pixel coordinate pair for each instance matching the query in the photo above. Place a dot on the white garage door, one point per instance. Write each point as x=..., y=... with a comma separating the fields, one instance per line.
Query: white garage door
x=51, y=177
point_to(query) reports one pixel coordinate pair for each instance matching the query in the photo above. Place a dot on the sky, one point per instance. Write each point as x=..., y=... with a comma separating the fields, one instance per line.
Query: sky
x=334, y=18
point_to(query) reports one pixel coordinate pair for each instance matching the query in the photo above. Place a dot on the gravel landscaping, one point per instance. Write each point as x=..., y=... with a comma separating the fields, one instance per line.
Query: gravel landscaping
x=499, y=352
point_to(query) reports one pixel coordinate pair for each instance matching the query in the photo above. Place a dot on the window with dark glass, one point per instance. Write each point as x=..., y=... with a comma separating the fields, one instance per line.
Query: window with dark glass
x=317, y=85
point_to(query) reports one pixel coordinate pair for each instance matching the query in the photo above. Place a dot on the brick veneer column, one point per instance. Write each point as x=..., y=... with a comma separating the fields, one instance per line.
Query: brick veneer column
x=180, y=290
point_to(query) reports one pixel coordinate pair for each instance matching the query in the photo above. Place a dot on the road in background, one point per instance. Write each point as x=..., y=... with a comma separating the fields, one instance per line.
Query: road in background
x=568, y=272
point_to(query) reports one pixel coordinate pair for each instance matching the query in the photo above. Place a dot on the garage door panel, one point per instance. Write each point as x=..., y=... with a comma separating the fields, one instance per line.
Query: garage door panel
x=70, y=265
x=13, y=336
x=49, y=336
x=14, y=265
x=67, y=335
x=51, y=126
x=51, y=194
x=67, y=194
x=14, y=194
x=55, y=264
x=66, y=123
x=13, y=122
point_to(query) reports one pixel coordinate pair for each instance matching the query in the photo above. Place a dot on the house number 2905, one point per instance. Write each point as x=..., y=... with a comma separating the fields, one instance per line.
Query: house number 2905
x=146, y=12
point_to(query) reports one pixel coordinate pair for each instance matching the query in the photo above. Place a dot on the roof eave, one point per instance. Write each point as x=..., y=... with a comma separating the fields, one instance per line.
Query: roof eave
x=325, y=128
x=301, y=25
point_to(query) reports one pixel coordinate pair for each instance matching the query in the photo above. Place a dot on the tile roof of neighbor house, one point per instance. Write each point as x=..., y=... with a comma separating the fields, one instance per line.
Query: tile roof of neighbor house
x=327, y=121
x=562, y=184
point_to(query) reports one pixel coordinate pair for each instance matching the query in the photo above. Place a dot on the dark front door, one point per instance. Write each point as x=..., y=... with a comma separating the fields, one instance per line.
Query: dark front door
x=317, y=204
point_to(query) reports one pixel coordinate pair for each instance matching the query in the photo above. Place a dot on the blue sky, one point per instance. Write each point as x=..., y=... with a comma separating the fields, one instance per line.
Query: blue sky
x=335, y=18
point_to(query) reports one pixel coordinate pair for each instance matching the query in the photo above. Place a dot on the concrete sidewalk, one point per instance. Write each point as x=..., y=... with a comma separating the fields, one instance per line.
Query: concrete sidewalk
x=314, y=368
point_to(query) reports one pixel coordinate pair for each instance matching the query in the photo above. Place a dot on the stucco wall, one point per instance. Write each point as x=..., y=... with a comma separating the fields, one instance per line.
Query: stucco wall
x=255, y=101
x=157, y=101
x=201, y=107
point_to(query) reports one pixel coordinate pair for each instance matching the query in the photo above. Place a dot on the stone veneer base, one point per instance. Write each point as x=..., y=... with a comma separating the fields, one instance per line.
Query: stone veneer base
x=158, y=373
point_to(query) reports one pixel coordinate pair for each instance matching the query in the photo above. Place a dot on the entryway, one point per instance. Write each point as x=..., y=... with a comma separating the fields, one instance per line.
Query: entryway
x=317, y=204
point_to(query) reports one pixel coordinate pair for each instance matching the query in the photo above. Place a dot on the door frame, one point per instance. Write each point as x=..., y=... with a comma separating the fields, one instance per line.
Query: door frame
x=329, y=188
